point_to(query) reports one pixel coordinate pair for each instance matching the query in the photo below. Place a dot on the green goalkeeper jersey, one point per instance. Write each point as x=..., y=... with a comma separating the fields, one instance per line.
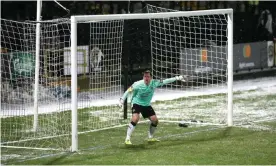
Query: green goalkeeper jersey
x=142, y=93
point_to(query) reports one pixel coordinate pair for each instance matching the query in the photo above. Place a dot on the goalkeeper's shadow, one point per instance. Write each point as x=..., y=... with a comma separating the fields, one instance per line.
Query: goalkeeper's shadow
x=187, y=138
x=214, y=135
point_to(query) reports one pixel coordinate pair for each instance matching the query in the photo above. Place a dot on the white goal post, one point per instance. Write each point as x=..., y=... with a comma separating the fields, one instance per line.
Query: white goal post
x=228, y=13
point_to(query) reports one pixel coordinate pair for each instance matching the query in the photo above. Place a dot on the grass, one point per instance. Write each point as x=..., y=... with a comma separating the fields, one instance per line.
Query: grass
x=185, y=146
x=252, y=143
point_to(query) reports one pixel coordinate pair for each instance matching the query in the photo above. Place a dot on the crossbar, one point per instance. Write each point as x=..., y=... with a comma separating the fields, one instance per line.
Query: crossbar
x=83, y=18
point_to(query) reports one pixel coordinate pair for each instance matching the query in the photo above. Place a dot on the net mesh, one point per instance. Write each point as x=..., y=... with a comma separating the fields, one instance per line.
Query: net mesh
x=17, y=85
x=196, y=47
x=100, y=85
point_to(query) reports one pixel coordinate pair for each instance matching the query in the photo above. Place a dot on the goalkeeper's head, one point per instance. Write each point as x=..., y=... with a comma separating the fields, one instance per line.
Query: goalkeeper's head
x=147, y=77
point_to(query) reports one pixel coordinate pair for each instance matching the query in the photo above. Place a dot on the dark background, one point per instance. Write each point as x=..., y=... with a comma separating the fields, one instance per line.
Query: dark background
x=246, y=13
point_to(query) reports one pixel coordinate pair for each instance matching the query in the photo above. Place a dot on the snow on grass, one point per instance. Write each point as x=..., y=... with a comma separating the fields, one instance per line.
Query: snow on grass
x=193, y=101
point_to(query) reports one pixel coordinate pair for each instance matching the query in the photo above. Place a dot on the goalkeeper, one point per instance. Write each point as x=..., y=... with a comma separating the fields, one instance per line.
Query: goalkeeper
x=142, y=93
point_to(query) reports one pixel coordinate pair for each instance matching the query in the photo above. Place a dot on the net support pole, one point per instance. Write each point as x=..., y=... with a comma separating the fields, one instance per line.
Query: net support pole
x=125, y=60
x=37, y=53
x=74, y=114
x=230, y=70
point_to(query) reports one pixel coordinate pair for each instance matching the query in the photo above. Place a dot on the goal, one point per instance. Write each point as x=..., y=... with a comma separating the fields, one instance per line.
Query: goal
x=197, y=44
x=79, y=74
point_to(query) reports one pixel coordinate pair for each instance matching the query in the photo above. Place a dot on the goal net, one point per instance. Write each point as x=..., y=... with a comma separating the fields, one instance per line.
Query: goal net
x=195, y=44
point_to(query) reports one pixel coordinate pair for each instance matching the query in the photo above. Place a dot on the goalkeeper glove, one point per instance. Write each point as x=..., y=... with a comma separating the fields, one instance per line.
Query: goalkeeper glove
x=181, y=78
x=121, y=103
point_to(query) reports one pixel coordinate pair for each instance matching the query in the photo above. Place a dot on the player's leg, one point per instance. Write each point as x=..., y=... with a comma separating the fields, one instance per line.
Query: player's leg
x=134, y=120
x=148, y=112
x=152, y=127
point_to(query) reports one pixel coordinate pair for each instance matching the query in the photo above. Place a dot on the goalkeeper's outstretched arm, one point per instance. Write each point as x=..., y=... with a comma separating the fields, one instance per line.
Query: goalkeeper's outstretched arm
x=170, y=80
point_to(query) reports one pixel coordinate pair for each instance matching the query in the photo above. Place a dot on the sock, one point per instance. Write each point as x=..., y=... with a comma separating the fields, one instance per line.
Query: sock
x=152, y=129
x=130, y=129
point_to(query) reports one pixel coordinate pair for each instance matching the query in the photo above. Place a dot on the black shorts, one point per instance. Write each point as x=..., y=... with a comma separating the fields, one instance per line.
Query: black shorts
x=146, y=111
